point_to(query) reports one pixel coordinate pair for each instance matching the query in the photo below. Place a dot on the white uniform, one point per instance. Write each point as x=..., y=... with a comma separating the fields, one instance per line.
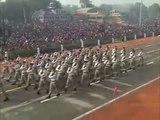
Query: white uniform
x=6, y=56
x=52, y=77
x=23, y=70
x=43, y=80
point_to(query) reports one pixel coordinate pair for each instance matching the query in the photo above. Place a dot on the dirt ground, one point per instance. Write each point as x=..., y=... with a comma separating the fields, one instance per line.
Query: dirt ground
x=144, y=104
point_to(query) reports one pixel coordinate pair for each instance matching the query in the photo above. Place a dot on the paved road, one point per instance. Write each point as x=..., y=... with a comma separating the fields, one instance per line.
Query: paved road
x=27, y=105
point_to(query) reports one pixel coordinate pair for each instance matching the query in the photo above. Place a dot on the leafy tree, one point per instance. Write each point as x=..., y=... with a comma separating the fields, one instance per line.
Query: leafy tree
x=86, y=3
x=154, y=11
x=134, y=12
x=55, y=4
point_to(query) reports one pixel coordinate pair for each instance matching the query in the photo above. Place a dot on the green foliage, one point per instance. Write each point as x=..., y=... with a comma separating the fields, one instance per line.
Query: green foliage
x=86, y=3
x=154, y=11
x=134, y=12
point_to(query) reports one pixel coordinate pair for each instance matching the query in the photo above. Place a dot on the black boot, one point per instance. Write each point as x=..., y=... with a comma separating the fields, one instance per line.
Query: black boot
x=6, y=99
x=58, y=94
x=38, y=92
x=66, y=89
x=35, y=87
x=26, y=88
x=20, y=85
x=49, y=96
x=47, y=91
x=75, y=89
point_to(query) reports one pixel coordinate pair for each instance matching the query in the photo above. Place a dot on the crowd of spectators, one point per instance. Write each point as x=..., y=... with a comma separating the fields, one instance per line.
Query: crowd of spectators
x=42, y=35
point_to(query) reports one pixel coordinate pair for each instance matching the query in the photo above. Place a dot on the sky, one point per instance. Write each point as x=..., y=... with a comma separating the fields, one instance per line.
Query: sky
x=98, y=2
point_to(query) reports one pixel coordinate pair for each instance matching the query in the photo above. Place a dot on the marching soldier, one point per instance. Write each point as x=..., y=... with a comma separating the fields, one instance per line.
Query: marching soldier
x=6, y=56
x=98, y=70
x=107, y=67
x=11, y=71
x=2, y=88
x=32, y=75
x=43, y=73
x=71, y=78
x=123, y=63
x=52, y=77
x=85, y=72
x=114, y=51
x=23, y=70
x=61, y=73
x=123, y=52
x=115, y=66
x=17, y=72
x=132, y=59
x=140, y=58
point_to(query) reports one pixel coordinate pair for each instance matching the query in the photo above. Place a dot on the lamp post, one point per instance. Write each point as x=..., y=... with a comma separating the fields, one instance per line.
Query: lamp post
x=140, y=15
x=3, y=23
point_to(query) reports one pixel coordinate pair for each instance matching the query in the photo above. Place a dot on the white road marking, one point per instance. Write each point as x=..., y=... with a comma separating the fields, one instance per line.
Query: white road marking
x=147, y=46
x=28, y=109
x=105, y=87
x=116, y=99
x=48, y=99
x=129, y=70
x=14, y=89
x=153, y=59
x=78, y=102
x=97, y=96
x=152, y=51
x=136, y=48
x=120, y=83
x=150, y=63
x=3, y=110
x=93, y=83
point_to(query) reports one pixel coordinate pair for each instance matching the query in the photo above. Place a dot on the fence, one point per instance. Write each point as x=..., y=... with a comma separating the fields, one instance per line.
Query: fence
x=77, y=44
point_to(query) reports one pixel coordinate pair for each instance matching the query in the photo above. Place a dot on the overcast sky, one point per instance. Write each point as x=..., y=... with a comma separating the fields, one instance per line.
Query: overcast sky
x=98, y=2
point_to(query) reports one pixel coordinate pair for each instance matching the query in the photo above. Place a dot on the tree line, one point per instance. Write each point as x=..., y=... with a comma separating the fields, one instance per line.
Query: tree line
x=14, y=10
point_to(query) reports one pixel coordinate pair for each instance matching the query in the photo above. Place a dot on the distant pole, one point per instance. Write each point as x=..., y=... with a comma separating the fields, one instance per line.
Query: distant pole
x=3, y=25
x=24, y=15
x=140, y=15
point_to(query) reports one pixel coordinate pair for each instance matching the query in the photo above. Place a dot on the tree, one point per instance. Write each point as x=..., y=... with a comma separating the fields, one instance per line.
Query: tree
x=14, y=9
x=154, y=11
x=55, y=4
x=86, y=3
x=134, y=13
x=106, y=7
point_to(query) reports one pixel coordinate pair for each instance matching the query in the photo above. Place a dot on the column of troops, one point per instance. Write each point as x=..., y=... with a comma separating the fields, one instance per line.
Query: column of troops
x=69, y=70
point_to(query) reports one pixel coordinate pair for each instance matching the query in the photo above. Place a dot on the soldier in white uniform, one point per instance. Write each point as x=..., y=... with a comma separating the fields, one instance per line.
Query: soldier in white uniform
x=72, y=77
x=6, y=56
x=52, y=77
x=17, y=72
x=107, y=67
x=85, y=72
x=2, y=87
x=23, y=70
x=123, y=52
x=12, y=70
x=98, y=70
x=32, y=75
x=61, y=73
x=114, y=51
x=123, y=63
x=140, y=58
x=43, y=73
x=132, y=59
x=115, y=66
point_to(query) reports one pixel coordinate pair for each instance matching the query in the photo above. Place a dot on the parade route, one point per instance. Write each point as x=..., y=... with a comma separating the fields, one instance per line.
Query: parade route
x=27, y=105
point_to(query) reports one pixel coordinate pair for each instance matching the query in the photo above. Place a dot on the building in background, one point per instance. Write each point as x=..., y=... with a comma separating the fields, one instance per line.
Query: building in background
x=52, y=14
x=91, y=14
